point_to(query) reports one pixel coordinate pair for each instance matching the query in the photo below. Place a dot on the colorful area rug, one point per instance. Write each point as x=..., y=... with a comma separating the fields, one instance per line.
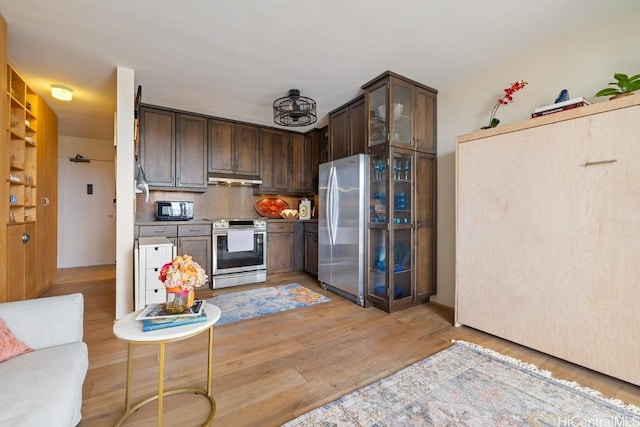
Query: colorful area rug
x=259, y=302
x=467, y=385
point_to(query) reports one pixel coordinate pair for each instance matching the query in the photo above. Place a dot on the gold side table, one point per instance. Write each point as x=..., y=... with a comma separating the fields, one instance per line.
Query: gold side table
x=129, y=329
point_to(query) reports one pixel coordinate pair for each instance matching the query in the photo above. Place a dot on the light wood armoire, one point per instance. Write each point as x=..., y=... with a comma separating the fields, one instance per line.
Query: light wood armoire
x=548, y=235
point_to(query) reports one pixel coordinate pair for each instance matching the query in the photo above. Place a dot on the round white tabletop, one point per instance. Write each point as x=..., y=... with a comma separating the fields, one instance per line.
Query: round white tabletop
x=130, y=329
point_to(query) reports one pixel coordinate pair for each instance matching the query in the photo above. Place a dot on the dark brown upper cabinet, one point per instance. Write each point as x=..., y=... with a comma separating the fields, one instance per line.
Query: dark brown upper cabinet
x=233, y=148
x=275, y=162
x=299, y=163
x=313, y=147
x=347, y=130
x=173, y=149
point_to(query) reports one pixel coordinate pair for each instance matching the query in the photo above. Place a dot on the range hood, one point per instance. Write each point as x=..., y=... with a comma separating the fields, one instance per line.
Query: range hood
x=230, y=179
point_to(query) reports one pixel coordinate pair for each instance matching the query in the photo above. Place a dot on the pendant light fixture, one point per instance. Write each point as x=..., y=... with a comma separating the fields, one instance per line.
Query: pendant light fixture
x=294, y=110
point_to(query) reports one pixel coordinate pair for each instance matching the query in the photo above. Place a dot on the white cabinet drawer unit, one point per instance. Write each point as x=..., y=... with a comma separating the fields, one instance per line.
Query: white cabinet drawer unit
x=151, y=253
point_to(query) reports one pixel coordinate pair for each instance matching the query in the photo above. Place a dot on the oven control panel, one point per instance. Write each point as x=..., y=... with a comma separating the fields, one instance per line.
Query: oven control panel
x=224, y=224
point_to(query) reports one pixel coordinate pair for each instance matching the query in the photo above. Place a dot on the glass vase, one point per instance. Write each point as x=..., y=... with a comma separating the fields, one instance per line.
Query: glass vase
x=178, y=300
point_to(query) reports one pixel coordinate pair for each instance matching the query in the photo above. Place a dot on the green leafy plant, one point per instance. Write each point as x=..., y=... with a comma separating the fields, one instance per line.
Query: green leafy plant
x=623, y=83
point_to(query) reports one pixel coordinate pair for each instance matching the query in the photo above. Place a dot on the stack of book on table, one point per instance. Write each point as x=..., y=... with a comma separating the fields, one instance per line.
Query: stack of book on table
x=155, y=317
x=560, y=106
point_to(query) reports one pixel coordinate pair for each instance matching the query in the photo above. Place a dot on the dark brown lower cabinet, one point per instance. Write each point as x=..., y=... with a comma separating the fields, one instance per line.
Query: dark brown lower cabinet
x=279, y=247
x=200, y=250
x=311, y=247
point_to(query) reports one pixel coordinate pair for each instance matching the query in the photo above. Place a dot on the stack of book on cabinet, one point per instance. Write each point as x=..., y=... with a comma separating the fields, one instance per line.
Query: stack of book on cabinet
x=154, y=316
x=560, y=106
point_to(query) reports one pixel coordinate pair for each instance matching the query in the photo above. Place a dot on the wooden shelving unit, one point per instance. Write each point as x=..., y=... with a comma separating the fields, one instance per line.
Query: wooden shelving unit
x=28, y=185
x=22, y=140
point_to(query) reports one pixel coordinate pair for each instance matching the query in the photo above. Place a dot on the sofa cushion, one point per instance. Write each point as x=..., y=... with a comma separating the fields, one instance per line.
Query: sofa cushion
x=44, y=387
x=10, y=346
x=46, y=322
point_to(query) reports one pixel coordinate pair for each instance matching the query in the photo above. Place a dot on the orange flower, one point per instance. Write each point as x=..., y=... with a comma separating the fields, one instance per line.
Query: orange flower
x=182, y=273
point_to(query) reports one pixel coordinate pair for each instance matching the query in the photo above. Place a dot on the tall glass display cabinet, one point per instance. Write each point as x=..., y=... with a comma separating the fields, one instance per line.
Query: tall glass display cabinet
x=402, y=192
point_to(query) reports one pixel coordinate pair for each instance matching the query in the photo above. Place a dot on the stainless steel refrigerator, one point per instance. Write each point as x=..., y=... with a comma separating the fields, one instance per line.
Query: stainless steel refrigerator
x=341, y=226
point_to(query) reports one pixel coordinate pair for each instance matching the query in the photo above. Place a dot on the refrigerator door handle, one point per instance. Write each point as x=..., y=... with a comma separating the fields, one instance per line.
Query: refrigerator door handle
x=328, y=205
x=335, y=206
x=332, y=205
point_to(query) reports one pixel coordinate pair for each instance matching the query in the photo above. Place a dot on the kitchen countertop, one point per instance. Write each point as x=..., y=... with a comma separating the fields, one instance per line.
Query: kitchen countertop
x=197, y=221
x=291, y=220
x=205, y=221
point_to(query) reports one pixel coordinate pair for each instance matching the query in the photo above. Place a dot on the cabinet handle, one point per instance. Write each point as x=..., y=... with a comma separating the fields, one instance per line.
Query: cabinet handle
x=600, y=162
x=25, y=238
x=46, y=201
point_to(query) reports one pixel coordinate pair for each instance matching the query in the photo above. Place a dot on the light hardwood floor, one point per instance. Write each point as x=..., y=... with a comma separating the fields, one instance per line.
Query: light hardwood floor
x=268, y=370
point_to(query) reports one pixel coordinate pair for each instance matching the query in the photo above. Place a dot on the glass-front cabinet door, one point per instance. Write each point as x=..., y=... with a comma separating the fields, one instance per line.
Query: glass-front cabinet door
x=390, y=114
x=401, y=185
x=377, y=284
x=390, y=227
x=377, y=230
x=377, y=101
x=378, y=177
x=400, y=124
x=390, y=276
x=401, y=226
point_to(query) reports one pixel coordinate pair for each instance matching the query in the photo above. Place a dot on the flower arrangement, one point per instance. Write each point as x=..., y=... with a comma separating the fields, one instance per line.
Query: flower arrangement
x=506, y=99
x=182, y=274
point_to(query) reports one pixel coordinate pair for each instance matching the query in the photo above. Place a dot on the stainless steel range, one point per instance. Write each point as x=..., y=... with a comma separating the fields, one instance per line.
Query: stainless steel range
x=239, y=252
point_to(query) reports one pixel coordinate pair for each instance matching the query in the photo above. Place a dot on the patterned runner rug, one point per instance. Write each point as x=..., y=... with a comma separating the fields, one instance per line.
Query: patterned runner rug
x=468, y=385
x=259, y=302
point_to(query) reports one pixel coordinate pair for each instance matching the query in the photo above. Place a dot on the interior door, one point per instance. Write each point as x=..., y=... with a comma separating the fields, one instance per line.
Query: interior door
x=86, y=222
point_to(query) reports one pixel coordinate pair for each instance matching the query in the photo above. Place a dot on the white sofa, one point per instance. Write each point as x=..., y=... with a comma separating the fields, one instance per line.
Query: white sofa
x=44, y=387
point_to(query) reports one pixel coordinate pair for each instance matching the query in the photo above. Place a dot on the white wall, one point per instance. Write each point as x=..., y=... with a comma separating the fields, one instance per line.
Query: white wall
x=583, y=64
x=86, y=232
x=125, y=209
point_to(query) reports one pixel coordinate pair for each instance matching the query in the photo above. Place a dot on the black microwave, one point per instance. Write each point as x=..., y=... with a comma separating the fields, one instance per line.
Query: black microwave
x=174, y=211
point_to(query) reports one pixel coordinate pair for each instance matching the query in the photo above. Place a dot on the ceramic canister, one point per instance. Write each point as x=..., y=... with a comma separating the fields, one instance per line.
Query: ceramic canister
x=304, y=210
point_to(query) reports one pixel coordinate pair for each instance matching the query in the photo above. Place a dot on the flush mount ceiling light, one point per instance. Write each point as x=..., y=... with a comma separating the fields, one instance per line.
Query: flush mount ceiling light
x=62, y=93
x=294, y=110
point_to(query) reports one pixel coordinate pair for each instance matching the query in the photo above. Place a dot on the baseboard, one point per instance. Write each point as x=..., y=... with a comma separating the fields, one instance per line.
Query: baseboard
x=446, y=307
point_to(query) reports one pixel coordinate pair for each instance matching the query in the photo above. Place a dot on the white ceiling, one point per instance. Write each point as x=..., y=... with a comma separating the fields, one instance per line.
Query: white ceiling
x=233, y=58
